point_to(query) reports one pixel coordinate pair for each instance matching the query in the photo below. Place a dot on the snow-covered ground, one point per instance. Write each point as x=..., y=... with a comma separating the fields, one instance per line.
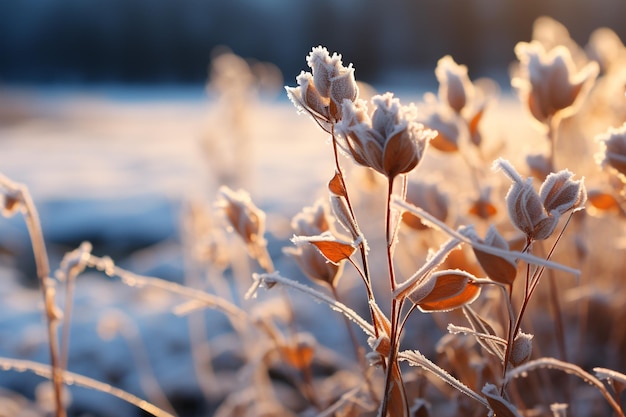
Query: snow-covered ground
x=117, y=169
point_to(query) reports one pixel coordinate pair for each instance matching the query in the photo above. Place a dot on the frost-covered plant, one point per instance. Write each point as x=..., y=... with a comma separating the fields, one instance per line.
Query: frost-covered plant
x=476, y=280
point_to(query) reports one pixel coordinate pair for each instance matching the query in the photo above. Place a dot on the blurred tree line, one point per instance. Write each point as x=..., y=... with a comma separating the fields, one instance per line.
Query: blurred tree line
x=152, y=41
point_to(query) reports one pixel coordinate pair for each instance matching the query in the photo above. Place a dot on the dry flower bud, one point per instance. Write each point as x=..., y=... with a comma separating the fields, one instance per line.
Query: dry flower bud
x=540, y=165
x=522, y=349
x=445, y=123
x=391, y=141
x=548, y=81
x=11, y=202
x=427, y=197
x=559, y=193
x=455, y=87
x=322, y=91
x=613, y=150
x=247, y=221
x=525, y=207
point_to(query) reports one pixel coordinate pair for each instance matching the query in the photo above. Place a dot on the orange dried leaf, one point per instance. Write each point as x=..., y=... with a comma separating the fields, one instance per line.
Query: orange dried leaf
x=454, y=291
x=459, y=259
x=602, y=200
x=496, y=267
x=444, y=144
x=475, y=120
x=483, y=209
x=335, y=185
x=300, y=357
x=447, y=284
x=334, y=251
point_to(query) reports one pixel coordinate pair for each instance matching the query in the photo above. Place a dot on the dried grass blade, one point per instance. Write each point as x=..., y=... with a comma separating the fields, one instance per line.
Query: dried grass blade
x=274, y=278
x=551, y=363
x=133, y=280
x=481, y=326
x=617, y=379
x=70, y=378
x=491, y=343
x=415, y=358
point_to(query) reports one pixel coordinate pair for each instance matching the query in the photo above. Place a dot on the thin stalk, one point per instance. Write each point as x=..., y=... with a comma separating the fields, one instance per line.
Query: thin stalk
x=33, y=225
x=396, y=308
x=534, y=281
x=362, y=249
x=358, y=350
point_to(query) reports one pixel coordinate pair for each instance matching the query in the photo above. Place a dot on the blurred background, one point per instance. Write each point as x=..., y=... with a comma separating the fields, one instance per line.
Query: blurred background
x=170, y=42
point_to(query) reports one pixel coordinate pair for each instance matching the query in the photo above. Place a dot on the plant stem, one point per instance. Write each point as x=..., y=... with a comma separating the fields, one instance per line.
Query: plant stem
x=31, y=218
x=396, y=308
x=366, y=273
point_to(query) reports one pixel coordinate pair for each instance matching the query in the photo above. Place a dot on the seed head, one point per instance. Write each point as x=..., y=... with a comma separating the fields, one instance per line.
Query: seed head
x=613, y=150
x=391, y=141
x=559, y=193
x=322, y=91
x=522, y=349
x=526, y=208
x=247, y=221
x=455, y=87
x=548, y=81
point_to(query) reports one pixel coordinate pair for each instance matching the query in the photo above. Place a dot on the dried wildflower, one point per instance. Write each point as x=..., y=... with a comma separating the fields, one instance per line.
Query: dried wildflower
x=559, y=193
x=247, y=221
x=498, y=268
x=540, y=165
x=322, y=91
x=613, y=150
x=522, y=349
x=535, y=215
x=526, y=211
x=430, y=198
x=445, y=123
x=606, y=48
x=391, y=141
x=548, y=82
x=455, y=87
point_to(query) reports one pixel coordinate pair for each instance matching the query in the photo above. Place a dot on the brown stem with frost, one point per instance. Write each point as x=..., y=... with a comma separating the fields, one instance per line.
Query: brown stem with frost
x=396, y=308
